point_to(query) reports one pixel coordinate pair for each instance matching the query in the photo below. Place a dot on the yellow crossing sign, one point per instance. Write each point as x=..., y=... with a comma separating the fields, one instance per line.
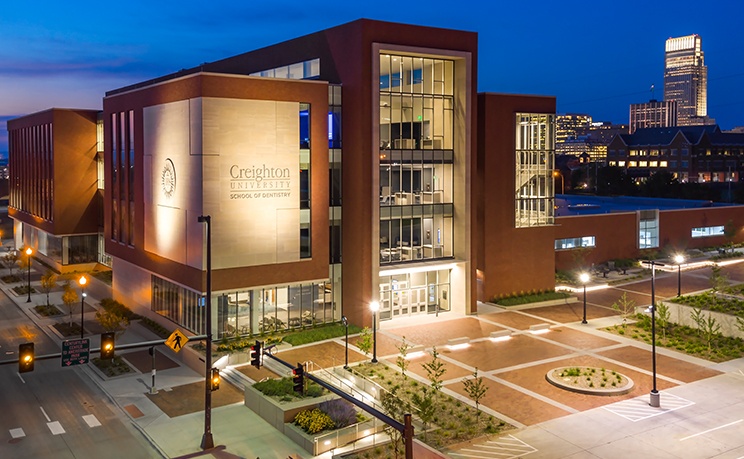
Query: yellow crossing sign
x=176, y=340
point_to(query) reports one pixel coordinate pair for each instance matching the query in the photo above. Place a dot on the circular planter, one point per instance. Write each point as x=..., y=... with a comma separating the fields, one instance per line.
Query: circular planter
x=589, y=380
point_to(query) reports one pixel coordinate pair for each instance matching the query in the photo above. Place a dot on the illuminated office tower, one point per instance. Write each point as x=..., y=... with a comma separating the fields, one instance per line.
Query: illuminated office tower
x=686, y=79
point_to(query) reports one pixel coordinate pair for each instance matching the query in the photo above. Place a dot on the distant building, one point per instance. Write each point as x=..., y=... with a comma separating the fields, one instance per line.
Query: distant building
x=652, y=114
x=571, y=125
x=686, y=79
x=691, y=153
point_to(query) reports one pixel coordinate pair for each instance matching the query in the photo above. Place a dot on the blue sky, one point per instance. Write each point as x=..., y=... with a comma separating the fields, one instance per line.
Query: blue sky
x=597, y=58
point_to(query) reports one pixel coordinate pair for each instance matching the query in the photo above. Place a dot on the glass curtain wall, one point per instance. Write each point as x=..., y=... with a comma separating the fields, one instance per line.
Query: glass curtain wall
x=416, y=158
x=535, y=162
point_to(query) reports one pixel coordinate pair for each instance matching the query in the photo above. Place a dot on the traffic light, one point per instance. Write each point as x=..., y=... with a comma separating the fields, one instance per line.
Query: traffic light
x=298, y=379
x=25, y=357
x=107, y=345
x=215, y=379
x=256, y=355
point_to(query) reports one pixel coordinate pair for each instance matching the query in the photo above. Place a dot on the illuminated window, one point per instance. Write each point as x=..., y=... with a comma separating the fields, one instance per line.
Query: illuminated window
x=535, y=159
x=648, y=231
x=662, y=164
x=612, y=163
x=574, y=243
x=707, y=231
x=621, y=163
x=632, y=163
x=653, y=164
x=633, y=152
x=642, y=163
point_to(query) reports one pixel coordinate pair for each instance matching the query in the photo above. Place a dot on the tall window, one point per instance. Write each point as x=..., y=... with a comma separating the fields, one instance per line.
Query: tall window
x=535, y=159
x=416, y=158
x=648, y=229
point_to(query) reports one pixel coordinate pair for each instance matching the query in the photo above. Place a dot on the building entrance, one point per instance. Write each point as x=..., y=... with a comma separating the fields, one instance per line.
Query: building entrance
x=411, y=293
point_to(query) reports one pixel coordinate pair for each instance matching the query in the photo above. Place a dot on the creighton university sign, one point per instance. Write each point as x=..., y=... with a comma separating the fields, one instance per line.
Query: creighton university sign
x=259, y=182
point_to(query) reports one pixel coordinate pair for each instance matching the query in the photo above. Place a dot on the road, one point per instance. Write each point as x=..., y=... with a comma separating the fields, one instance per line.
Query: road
x=56, y=412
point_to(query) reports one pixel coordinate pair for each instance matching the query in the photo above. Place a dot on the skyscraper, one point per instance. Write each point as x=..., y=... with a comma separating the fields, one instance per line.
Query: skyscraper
x=686, y=79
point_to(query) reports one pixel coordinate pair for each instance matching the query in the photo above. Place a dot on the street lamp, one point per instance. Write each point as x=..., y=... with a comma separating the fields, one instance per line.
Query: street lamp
x=207, y=439
x=679, y=259
x=346, y=357
x=29, y=251
x=82, y=281
x=374, y=307
x=654, y=396
x=557, y=173
x=584, y=278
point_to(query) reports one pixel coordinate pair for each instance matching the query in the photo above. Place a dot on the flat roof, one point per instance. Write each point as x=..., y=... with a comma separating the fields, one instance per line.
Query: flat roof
x=570, y=204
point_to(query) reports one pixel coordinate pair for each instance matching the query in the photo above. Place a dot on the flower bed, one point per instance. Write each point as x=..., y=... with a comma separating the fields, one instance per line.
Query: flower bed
x=590, y=380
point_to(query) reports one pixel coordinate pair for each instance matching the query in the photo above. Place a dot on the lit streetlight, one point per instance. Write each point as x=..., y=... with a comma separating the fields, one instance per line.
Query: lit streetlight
x=679, y=259
x=584, y=278
x=82, y=281
x=374, y=307
x=556, y=174
x=29, y=251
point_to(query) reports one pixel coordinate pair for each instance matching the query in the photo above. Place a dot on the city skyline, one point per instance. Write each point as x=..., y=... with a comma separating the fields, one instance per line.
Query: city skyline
x=55, y=57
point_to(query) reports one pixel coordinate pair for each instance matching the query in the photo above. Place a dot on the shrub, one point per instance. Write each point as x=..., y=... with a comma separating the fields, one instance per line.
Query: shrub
x=111, y=305
x=313, y=421
x=341, y=412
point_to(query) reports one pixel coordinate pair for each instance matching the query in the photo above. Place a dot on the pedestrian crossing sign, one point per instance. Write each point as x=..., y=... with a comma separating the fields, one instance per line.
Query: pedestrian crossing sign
x=176, y=340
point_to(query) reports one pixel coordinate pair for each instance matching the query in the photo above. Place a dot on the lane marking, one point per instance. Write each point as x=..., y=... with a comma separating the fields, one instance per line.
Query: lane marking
x=45, y=414
x=21, y=378
x=17, y=433
x=91, y=420
x=56, y=428
x=711, y=430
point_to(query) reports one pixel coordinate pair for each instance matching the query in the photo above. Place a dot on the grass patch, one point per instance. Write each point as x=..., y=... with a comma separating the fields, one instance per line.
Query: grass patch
x=531, y=298
x=283, y=389
x=320, y=333
x=11, y=279
x=684, y=339
x=22, y=290
x=154, y=327
x=712, y=302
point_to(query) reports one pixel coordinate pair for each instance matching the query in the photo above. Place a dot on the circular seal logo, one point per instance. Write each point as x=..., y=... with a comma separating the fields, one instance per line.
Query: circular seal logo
x=168, y=178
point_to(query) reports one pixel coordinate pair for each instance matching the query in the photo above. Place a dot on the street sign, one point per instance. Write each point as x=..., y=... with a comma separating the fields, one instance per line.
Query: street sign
x=75, y=352
x=176, y=340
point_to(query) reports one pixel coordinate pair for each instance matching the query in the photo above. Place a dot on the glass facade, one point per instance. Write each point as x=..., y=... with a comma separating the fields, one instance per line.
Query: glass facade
x=648, y=229
x=179, y=304
x=122, y=177
x=414, y=292
x=574, y=243
x=416, y=174
x=535, y=162
x=707, y=231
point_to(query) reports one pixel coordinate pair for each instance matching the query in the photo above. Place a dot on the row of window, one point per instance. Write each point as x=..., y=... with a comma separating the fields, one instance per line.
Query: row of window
x=648, y=229
x=122, y=177
x=32, y=170
x=299, y=71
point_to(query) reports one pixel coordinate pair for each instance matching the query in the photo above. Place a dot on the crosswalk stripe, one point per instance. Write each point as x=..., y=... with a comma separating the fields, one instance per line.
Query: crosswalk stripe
x=56, y=428
x=638, y=409
x=91, y=420
x=17, y=433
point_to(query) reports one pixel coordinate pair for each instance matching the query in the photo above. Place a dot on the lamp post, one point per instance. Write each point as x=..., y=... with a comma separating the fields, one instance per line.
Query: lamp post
x=207, y=439
x=654, y=396
x=29, y=251
x=374, y=307
x=82, y=281
x=346, y=356
x=679, y=259
x=557, y=173
x=584, y=277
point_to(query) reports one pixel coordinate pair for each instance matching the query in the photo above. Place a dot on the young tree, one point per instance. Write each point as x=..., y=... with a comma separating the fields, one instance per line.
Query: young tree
x=396, y=408
x=476, y=389
x=365, y=342
x=10, y=260
x=718, y=280
x=730, y=230
x=662, y=317
x=435, y=370
x=48, y=283
x=111, y=320
x=697, y=316
x=424, y=403
x=402, y=361
x=69, y=298
x=710, y=329
x=625, y=306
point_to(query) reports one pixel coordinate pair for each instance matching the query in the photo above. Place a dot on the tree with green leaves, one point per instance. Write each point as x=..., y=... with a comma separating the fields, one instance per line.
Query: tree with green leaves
x=697, y=316
x=111, y=320
x=625, y=306
x=424, y=404
x=365, y=341
x=435, y=370
x=718, y=279
x=48, y=283
x=402, y=361
x=10, y=260
x=476, y=389
x=710, y=328
x=396, y=408
x=662, y=318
